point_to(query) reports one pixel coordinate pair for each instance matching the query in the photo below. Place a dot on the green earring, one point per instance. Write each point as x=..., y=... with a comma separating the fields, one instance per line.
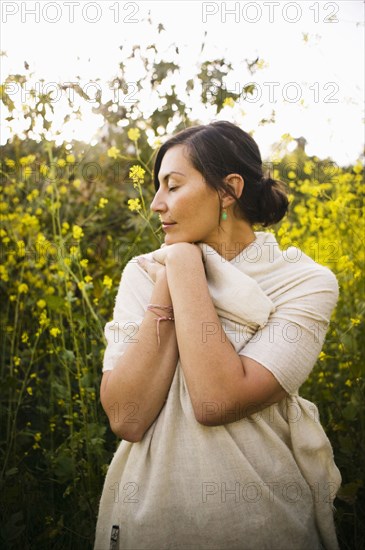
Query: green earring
x=224, y=214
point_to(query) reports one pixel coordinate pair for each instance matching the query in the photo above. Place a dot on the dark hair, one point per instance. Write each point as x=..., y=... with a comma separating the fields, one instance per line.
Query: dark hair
x=222, y=148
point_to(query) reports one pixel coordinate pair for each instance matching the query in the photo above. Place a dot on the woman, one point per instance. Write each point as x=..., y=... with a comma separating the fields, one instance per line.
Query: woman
x=218, y=451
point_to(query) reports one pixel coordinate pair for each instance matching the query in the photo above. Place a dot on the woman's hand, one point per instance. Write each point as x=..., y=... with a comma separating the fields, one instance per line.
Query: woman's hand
x=151, y=267
x=166, y=252
x=156, y=267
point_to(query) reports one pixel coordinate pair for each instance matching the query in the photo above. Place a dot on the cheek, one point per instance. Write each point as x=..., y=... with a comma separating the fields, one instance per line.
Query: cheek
x=184, y=203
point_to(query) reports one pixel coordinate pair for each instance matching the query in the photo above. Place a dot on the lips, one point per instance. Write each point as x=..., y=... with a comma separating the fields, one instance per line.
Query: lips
x=167, y=226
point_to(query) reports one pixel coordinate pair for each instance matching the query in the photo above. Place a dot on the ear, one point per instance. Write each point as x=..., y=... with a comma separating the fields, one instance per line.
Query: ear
x=236, y=182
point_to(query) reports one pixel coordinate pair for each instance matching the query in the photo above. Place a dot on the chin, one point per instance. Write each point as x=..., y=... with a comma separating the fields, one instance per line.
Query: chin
x=169, y=239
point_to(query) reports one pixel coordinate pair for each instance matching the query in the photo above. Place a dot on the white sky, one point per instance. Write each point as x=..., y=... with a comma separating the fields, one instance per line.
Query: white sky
x=326, y=71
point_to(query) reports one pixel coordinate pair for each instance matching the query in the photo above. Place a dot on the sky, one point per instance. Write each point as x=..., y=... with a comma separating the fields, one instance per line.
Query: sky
x=312, y=68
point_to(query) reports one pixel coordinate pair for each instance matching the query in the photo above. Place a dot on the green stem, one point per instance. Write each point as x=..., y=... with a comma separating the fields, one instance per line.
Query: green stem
x=15, y=416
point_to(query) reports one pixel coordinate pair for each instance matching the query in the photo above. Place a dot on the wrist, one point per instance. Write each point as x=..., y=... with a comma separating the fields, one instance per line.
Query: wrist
x=161, y=277
x=161, y=294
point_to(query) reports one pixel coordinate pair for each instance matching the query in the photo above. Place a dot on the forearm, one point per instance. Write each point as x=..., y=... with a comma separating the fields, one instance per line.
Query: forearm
x=212, y=368
x=138, y=385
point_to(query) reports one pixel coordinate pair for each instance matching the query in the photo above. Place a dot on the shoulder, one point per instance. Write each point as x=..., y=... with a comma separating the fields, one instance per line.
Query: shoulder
x=289, y=273
x=135, y=285
x=311, y=285
x=314, y=273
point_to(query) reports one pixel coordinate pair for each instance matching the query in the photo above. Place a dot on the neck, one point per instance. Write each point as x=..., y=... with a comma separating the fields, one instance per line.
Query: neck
x=233, y=237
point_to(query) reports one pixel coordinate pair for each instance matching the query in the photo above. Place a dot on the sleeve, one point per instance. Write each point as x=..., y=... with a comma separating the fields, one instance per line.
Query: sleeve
x=128, y=314
x=289, y=344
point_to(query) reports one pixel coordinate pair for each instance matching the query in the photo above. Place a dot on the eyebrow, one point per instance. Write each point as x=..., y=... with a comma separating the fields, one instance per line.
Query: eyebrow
x=166, y=176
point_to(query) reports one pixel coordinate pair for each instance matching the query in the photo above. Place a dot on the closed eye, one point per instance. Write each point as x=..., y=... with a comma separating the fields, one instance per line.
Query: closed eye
x=172, y=188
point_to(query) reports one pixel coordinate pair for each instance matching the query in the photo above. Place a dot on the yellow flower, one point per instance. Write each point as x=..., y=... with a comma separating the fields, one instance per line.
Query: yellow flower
x=70, y=159
x=30, y=390
x=61, y=163
x=10, y=189
x=43, y=319
x=355, y=321
x=134, y=134
x=65, y=228
x=357, y=168
x=4, y=273
x=54, y=331
x=55, y=206
x=16, y=361
x=44, y=169
x=63, y=189
x=25, y=337
x=88, y=278
x=84, y=262
x=27, y=172
x=10, y=163
x=261, y=64
x=156, y=143
x=33, y=195
x=27, y=160
x=229, y=102
x=322, y=356
x=37, y=436
x=77, y=232
x=113, y=152
x=134, y=204
x=74, y=250
x=76, y=183
x=41, y=304
x=21, y=248
x=107, y=281
x=102, y=202
x=49, y=189
x=292, y=175
x=308, y=167
x=136, y=173
x=287, y=138
x=23, y=288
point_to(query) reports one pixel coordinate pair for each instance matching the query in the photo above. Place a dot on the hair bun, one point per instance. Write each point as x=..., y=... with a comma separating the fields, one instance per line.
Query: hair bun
x=267, y=181
x=272, y=200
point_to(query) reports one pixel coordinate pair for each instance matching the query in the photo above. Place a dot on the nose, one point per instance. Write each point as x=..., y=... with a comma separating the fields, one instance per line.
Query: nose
x=157, y=205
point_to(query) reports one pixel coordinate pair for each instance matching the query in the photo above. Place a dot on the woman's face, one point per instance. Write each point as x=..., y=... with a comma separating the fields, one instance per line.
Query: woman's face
x=185, y=200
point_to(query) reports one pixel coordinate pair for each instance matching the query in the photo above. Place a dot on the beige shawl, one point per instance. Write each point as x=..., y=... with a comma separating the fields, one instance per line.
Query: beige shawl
x=263, y=482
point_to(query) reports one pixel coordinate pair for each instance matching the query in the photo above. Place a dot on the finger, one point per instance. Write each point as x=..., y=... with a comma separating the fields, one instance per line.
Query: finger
x=144, y=262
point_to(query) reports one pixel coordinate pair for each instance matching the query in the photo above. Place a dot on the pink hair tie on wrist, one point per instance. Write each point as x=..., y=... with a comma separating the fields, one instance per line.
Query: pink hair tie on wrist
x=169, y=309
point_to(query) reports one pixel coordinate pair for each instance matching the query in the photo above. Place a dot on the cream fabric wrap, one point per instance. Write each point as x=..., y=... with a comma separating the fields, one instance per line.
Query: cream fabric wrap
x=263, y=482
